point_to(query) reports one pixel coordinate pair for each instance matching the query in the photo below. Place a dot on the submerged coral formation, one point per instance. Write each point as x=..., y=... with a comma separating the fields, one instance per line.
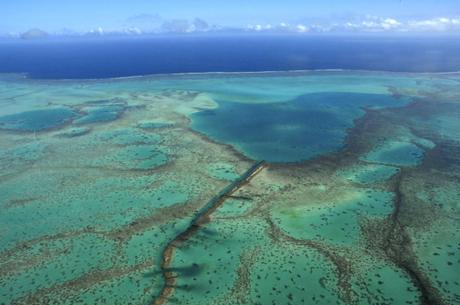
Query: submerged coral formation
x=282, y=188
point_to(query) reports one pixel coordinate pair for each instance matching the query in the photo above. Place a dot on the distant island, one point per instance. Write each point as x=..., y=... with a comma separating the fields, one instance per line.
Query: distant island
x=34, y=34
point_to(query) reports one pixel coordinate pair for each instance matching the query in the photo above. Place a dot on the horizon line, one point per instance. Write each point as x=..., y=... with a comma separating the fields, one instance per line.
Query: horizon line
x=25, y=75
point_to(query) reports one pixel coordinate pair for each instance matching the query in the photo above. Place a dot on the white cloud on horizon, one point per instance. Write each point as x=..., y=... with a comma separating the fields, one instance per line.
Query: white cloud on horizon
x=367, y=24
x=376, y=24
x=147, y=24
x=435, y=25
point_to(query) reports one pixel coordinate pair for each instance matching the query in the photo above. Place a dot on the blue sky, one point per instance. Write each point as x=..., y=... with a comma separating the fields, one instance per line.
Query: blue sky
x=83, y=15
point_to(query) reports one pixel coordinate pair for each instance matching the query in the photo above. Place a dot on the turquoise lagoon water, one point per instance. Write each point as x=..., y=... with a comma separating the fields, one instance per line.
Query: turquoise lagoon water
x=37, y=120
x=291, y=131
x=358, y=203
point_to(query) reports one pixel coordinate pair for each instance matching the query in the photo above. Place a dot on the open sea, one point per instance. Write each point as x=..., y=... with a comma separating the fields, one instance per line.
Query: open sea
x=118, y=57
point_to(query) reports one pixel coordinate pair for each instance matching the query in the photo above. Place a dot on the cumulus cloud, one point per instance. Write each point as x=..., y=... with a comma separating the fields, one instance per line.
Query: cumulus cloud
x=284, y=27
x=200, y=25
x=177, y=26
x=302, y=28
x=259, y=27
x=374, y=24
x=379, y=24
x=97, y=31
x=371, y=24
x=436, y=24
x=390, y=23
x=440, y=24
x=151, y=23
x=185, y=26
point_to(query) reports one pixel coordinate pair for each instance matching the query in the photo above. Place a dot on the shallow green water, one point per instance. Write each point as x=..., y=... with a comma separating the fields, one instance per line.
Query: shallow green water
x=357, y=205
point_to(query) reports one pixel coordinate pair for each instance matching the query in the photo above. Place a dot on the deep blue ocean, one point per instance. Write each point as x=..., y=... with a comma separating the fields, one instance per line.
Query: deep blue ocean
x=118, y=57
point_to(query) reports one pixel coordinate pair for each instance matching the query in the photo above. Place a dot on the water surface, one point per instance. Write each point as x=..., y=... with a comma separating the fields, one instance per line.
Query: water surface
x=98, y=178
